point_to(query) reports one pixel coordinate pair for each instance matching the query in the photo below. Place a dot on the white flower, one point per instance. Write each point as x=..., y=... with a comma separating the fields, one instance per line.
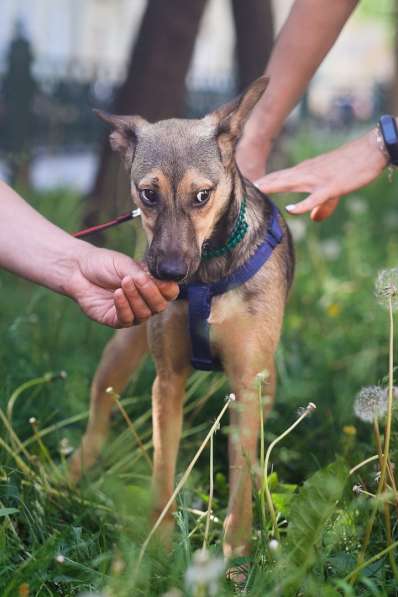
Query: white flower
x=386, y=287
x=262, y=376
x=357, y=489
x=273, y=545
x=60, y=559
x=371, y=404
x=204, y=572
x=64, y=447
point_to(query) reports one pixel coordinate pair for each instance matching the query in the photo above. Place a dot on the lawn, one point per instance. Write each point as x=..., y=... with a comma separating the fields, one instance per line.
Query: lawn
x=58, y=540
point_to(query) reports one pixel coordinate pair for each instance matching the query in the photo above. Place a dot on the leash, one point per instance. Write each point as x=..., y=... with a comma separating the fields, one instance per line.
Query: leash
x=200, y=295
x=126, y=217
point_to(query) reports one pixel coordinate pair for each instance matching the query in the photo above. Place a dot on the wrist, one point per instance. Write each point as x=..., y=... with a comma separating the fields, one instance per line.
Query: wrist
x=67, y=267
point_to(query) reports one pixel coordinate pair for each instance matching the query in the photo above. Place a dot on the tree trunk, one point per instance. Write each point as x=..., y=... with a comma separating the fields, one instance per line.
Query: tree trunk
x=154, y=88
x=254, y=27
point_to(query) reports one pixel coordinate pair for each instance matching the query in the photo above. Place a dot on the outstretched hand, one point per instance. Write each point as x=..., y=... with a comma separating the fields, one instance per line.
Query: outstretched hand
x=328, y=177
x=114, y=290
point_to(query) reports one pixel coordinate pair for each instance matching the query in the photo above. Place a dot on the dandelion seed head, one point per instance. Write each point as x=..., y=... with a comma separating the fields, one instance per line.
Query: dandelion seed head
x=273, y=545
x=64, y=447
x=33, y=420
x=386, y=287
x=204, y=571
x=370, y=404
x=60, y=559
x=262, y=376
x=357, y=489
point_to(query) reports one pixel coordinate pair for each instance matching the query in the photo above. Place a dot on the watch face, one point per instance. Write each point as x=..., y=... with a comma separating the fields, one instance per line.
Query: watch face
x=390, y=135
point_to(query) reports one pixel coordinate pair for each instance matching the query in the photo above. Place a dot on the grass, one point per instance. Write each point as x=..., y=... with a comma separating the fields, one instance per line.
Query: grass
x=55, y=540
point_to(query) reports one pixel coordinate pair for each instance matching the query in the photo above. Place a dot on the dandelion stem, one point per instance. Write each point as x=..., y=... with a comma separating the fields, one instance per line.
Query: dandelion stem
x=386, y=452
x=262, y=452
x=363, y=463
x=211, y=493
x=386, y=506
x=130, y=425
x=387, y=439
x=182, y=481
x=265, y=486
x=19, y=462
x=46, y=378
x=376, y=557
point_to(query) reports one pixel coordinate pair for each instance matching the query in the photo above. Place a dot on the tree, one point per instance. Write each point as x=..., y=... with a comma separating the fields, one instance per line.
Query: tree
x=254, y=26
x=154, y=87
x=19, y=89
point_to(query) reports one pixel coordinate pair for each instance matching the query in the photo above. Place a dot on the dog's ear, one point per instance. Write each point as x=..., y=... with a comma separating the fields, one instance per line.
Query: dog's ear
x=230, y=118
x=124, y=135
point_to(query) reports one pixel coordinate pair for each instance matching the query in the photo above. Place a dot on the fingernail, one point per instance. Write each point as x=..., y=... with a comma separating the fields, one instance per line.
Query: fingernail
x=290, y=208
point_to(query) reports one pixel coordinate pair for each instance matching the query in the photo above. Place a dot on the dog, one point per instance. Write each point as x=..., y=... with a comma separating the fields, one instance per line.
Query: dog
x=185, y=180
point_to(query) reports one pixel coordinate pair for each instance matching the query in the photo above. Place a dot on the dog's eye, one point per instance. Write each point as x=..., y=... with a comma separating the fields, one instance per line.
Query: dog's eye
x=202, y=197
x=149, y=197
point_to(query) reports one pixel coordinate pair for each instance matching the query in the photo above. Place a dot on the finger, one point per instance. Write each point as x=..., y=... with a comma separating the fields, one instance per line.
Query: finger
x=124, y=313
x=143, y=295
x=169, y=290
x=324, y=210
x=307, y=204
x=285, y=181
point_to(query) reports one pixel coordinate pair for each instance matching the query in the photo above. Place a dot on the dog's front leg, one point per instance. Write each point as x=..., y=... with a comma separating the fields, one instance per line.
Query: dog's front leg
x=243, y=440
x=171, y=351
x=167, y=402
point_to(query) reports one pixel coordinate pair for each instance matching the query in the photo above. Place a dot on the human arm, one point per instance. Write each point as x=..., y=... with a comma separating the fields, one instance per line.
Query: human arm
x=310, y=31
x=109, y=287
x=329, y=176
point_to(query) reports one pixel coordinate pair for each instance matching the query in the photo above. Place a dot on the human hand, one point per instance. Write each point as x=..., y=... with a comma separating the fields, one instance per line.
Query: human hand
x=114, y=290
x=328, y=177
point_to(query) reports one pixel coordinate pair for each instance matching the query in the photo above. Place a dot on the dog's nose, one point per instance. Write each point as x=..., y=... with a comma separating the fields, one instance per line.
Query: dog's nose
x=172, y=268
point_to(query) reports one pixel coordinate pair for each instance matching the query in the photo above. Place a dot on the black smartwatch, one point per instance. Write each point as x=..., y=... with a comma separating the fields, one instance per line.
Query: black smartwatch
x=389, y=131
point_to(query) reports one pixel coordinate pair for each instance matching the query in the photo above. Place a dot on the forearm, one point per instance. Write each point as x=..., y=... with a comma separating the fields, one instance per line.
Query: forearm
x=307, y=36
x=33, y=247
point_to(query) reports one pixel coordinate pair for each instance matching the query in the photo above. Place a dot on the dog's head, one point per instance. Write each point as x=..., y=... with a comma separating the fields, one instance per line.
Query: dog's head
x=182, y=174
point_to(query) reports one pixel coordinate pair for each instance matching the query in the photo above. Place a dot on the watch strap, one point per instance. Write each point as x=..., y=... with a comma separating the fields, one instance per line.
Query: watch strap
x=389, y=131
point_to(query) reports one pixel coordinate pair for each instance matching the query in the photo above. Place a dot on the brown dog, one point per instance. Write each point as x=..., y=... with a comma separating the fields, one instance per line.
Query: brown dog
x=185, y=180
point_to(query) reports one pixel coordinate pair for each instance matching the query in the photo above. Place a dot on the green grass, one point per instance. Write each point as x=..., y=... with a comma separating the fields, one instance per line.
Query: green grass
x=335, y=341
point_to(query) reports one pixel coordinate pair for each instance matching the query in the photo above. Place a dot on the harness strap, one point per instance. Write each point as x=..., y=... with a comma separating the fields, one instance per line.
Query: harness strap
x=200, y=295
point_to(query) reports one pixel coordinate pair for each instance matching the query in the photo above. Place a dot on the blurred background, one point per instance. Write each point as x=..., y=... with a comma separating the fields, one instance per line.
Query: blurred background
x=59, y=59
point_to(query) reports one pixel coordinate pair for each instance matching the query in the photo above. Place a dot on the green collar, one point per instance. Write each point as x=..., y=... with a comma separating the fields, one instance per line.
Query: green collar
x=238, y=232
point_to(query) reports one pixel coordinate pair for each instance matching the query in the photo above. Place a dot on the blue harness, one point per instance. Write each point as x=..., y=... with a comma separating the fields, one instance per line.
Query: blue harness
x=200, y=296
